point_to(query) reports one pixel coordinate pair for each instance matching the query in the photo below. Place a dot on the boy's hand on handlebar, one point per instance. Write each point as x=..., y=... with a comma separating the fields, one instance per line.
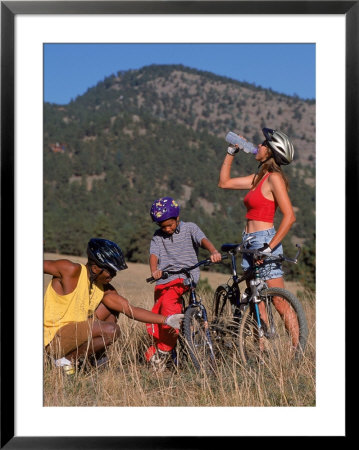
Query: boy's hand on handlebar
x=157, y=274
x=216, y=256
x=174, y=320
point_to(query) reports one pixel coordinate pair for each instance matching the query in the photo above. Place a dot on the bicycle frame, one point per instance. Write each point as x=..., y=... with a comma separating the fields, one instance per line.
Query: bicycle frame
x=247, y=276
x=194, y=301
x=192, y=289
x=256, y=284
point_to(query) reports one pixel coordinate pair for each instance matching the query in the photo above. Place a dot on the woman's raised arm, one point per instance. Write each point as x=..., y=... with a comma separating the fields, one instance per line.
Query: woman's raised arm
x=225, y=180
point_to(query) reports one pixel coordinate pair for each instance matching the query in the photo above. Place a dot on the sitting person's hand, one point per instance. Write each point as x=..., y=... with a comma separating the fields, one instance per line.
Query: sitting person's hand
x=174, y=320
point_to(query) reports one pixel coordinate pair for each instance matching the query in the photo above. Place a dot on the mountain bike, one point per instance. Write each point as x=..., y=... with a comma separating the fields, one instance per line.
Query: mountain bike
x=251, y=321
x=195, y=326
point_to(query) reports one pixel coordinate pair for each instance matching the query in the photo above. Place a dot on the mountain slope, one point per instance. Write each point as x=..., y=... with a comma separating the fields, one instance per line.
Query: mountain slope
x=160, y=131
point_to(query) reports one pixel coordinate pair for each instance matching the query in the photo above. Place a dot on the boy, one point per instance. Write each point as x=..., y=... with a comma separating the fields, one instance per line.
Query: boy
x=174, y=246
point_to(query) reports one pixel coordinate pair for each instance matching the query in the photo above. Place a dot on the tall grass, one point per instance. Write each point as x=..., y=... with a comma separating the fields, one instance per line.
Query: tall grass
x=129, y=381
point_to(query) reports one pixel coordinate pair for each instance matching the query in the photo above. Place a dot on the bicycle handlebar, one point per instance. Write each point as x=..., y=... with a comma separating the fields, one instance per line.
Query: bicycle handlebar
x=295, y=259
x=263, y=255
x=185, y=270
x=239, y=249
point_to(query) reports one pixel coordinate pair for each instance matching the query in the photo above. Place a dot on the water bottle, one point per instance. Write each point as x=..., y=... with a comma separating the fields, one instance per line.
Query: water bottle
x=234, y=139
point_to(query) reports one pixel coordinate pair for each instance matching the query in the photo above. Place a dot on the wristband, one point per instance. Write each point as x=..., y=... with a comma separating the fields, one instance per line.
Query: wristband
x=265, y=249
x=232, y=150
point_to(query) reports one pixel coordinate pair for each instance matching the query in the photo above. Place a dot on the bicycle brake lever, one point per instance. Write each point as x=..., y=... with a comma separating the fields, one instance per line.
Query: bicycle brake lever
x=259, y=256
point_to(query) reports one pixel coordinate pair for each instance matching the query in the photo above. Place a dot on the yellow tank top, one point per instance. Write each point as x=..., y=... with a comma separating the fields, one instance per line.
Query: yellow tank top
x=59, y=310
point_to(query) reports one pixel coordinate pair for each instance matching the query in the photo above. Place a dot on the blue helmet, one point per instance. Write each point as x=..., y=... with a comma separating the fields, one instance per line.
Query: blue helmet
x=106, y=254
x=164, y=208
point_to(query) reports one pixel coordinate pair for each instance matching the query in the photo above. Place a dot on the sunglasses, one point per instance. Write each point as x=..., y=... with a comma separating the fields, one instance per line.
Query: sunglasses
x=265, y=143
x=111, y=271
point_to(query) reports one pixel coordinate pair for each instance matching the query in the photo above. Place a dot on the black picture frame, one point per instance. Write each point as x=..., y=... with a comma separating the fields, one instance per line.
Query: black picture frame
x=9, y=9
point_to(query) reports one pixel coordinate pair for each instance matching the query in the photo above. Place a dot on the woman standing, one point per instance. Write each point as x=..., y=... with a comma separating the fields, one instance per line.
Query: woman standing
x=268, y=190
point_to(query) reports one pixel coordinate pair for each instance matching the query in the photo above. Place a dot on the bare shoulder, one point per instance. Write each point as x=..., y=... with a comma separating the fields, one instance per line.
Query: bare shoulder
x=62, y=268
x=276, y=180
x=273, y=176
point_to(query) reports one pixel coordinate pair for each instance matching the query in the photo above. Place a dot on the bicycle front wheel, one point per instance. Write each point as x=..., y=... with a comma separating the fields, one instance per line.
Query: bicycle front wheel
x=198, y=339
x=283, y=332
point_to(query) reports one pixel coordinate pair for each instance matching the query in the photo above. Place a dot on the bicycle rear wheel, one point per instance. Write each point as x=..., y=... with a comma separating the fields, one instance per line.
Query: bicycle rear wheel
x=198, y=339
x=284, y=333
x=225, y=325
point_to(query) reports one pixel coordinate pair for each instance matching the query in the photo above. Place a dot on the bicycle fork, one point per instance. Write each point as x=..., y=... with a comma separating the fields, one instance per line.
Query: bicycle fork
x=202, y=314
x=269, y=331
x=260, y=328
x=206, y=330
x=254, y=288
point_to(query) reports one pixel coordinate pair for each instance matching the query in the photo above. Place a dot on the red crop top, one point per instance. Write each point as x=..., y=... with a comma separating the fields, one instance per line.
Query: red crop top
x=259, y=207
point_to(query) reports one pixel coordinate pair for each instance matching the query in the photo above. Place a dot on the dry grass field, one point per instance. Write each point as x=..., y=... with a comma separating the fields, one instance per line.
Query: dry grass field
x=128, y=381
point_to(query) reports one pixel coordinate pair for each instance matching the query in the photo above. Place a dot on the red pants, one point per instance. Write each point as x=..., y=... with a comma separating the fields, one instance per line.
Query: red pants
x=168, y=300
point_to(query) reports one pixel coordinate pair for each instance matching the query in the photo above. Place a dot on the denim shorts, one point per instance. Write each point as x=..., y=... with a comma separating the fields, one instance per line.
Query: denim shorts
x=269, y=269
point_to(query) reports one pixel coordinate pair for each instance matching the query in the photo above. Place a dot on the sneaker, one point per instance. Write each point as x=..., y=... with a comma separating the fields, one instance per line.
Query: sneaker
x=99, y=362
x=159, y=360
x=67, y=367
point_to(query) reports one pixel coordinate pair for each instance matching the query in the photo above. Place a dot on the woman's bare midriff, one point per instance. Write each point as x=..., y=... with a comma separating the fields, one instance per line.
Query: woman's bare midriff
x=257, y=225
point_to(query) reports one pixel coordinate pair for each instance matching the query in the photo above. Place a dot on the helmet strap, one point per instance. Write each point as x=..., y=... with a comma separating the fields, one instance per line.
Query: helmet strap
x=263, y=162
x=177, y=224
x=93, y=276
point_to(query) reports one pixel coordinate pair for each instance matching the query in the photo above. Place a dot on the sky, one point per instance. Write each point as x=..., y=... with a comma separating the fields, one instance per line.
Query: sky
x=70, y=69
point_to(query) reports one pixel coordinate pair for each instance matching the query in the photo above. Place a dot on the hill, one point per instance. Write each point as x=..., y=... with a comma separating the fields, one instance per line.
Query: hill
x=142, y=134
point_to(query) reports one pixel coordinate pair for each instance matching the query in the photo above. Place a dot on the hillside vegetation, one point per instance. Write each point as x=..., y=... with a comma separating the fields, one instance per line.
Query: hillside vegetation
x=157, y=131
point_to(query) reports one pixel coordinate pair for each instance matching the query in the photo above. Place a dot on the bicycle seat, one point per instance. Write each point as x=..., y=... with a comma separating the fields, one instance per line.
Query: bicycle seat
x=229, y=247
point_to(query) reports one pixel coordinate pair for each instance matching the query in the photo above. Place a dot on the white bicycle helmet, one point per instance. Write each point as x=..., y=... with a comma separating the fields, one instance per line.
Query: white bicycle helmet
x=279, y=143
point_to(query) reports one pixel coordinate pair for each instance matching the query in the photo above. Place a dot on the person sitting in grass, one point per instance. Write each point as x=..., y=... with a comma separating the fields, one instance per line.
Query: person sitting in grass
x=81, y=307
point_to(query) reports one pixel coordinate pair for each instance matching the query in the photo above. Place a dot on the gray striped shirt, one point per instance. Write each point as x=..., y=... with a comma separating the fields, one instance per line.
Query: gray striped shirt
x=177, y=250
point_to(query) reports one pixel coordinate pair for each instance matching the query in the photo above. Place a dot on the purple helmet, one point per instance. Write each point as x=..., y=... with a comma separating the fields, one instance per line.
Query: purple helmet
x=164, y=208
